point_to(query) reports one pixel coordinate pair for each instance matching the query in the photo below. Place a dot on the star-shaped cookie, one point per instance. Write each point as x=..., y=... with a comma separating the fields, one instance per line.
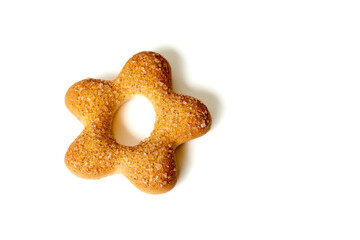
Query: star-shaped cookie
x=151, y=164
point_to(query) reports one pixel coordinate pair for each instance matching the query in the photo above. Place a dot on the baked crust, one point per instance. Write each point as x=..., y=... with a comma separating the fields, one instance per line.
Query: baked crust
x=151, y=164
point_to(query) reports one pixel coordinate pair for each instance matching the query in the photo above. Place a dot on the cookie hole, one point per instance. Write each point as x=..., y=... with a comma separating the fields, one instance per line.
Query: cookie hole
x=134, y=121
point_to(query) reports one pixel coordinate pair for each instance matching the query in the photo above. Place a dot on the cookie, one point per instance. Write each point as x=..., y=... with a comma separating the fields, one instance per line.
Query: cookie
x=151, y=164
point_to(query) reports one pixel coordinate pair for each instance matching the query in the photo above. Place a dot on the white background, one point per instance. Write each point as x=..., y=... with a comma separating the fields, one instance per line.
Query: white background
x=281, y=79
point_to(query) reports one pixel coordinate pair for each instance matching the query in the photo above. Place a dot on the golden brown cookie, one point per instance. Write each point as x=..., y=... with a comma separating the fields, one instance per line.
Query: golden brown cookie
x=151, y=164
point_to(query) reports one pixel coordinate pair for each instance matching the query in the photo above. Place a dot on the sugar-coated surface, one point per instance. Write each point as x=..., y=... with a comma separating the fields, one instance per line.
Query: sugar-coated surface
x=151, y=164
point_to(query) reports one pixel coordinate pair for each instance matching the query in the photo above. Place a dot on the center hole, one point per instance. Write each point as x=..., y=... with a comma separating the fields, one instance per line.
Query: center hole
x=134, y=121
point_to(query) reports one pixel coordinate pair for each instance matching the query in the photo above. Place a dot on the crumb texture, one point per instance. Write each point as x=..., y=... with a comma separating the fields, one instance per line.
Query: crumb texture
x=151, y=164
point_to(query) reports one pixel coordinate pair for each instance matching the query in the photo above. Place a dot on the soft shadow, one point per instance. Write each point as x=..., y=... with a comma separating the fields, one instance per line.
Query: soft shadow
x=180, y=85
